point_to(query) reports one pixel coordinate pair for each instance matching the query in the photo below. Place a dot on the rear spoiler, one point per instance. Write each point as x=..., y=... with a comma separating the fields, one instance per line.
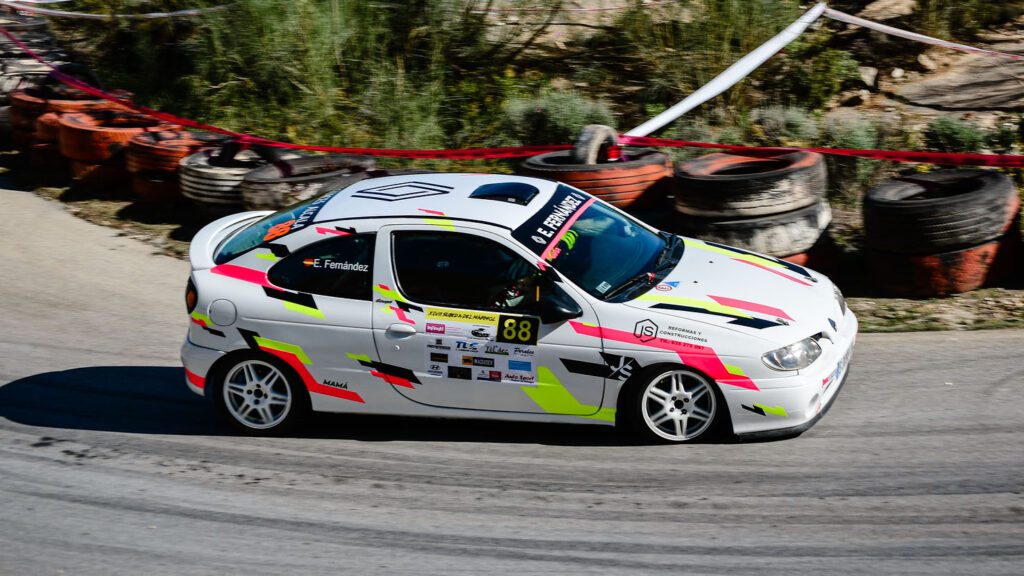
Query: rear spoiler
x=200, y=252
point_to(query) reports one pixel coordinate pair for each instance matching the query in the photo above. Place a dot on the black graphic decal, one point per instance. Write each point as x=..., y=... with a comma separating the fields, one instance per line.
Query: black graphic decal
x=789, y=265
x=757, y=323
x=754, y=409
x=403, y=191
x=390, y=370
x=299, y=298
x=279, y=250
x=614, y=367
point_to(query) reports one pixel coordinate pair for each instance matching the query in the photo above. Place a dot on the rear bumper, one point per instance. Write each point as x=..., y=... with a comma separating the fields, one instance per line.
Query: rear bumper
x=197, y=362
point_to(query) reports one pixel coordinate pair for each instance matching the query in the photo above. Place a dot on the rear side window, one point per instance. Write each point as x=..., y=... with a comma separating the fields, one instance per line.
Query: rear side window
x=341, y=267
x=288, y=220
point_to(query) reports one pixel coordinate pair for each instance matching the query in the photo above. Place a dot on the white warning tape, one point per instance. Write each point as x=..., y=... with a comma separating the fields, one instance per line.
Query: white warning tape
x=843, y=17
x=733, y=74
x=84, y=16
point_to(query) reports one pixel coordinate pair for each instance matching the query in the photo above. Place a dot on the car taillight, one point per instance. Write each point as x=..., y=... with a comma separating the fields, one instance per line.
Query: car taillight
x=191, y=296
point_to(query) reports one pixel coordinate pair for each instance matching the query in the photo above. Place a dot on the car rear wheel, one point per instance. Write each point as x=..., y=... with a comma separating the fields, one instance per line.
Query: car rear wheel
x=260, y=395
x=674, y=405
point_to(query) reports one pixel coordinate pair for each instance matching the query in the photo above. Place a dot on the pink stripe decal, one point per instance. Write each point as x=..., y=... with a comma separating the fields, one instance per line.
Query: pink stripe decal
x=196, y=380
x=750, y=306
x=243, y=274
x=773, y=271
x=401, y=315
x=435, y=212
x=565, y=227
x=311, y=384
x=322, y=230
x=393, y=380
x=700, y=357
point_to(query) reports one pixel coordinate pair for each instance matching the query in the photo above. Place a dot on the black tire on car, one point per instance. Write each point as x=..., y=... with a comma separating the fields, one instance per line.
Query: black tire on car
x=777, y=235
x=939, y=211
x=740, y=185
x=287, y=182
x=592, y=144
x=668, y=403
x=259, y=394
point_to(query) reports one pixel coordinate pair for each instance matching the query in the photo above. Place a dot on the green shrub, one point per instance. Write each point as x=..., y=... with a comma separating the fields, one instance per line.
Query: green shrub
x=1002, y=138
x=950, y=134
x=850, y=176
x=552, y=117
x=783, y=126
x=809, y=72
x=962, y=17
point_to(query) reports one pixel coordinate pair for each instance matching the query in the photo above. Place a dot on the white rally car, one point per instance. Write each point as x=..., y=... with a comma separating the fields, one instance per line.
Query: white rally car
x=492, y=296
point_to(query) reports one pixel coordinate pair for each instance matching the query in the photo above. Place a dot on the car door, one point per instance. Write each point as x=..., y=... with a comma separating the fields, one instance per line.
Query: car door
x=456, y=318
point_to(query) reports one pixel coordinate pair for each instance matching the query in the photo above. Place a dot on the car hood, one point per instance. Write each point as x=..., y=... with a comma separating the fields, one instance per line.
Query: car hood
x=746, y=292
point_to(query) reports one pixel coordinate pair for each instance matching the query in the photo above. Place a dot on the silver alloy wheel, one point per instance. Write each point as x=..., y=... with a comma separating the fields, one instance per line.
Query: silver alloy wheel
x=257, y=394
x=678, y=405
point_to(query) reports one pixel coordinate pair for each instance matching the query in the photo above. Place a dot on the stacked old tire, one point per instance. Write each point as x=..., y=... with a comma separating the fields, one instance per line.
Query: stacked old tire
x=942, y=232
x=772, y=202
x=153, y=158
x=95, y=142
x=212, y=178
x=26, y=105
x=17, y=69
x=44, y=152
x=286, y=182
x=638, y=177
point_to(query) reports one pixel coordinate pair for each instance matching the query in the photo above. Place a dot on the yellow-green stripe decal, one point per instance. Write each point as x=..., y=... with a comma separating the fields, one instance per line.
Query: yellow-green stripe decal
x=441, y=222
x=737, y=255
x=708, y=305
x=388, y=292
x=359, y=357
x=281, y=346
x=304, y=310
x=267, y=256
x=735, y=370
x=552, y=396
x=202, y=318
x=778, y=410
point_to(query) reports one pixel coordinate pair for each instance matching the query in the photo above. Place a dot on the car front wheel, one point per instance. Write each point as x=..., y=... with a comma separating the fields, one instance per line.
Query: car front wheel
x=674, y=405
x=261, y=395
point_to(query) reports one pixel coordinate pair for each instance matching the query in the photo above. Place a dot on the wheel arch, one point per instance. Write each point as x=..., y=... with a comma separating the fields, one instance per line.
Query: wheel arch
x=625, y=400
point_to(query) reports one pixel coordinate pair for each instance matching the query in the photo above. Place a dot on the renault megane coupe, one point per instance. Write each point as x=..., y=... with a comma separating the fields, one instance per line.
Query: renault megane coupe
x=503, y=297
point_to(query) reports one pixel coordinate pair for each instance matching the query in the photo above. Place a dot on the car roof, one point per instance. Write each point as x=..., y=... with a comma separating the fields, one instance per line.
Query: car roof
x=441, y=194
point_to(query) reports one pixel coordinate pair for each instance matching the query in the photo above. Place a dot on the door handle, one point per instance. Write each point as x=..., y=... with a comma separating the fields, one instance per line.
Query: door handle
x=401, y=330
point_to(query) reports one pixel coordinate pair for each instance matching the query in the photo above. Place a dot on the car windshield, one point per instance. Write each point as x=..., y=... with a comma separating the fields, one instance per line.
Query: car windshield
x=598, y=249
x=285, y=221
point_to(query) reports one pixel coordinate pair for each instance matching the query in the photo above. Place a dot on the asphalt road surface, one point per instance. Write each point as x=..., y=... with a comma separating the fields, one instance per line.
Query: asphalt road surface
x=108, y=465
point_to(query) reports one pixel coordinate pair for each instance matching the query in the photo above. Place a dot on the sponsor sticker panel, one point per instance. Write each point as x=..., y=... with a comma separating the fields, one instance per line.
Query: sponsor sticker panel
x=488, y=361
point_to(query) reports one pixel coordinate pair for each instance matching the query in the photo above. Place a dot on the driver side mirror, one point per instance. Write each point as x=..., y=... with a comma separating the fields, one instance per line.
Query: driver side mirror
x=558, y=307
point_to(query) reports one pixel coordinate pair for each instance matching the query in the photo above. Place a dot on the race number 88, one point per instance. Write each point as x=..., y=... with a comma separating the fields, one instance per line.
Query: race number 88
x=518, y=329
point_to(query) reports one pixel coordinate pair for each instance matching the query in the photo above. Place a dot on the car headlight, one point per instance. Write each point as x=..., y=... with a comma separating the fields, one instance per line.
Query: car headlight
x=793, y=357
x=839, y=298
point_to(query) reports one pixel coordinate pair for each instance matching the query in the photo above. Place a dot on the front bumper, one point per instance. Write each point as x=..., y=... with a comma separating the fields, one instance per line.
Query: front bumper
x=795, y=403
x=197, y=362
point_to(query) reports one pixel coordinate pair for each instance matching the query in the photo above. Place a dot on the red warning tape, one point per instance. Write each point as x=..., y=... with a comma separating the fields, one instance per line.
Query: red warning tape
x=945, y=158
